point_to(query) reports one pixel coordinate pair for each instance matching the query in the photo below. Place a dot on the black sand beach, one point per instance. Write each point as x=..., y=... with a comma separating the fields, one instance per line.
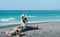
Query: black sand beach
x=46, y=29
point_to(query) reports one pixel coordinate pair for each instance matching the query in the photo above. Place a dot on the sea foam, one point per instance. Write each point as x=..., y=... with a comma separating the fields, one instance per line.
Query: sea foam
x=7, y=19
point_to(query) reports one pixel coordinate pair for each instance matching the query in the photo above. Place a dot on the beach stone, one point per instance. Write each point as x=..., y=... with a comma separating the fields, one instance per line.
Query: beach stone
x=17, y=35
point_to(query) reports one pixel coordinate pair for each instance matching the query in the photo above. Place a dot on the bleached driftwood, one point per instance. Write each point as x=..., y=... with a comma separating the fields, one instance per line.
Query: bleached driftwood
x=14, y=31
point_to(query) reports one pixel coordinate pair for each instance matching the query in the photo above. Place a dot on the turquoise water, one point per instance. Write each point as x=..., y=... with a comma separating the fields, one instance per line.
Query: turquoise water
x=8, y=17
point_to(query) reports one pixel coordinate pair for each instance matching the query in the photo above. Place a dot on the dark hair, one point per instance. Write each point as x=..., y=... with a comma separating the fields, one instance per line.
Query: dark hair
x=25, y=18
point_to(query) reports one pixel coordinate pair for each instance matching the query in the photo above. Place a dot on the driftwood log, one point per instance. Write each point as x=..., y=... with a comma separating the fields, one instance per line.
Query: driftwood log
x=16, y=31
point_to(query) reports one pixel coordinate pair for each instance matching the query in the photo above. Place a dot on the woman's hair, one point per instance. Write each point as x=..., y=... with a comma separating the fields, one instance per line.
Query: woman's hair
x=25, y=19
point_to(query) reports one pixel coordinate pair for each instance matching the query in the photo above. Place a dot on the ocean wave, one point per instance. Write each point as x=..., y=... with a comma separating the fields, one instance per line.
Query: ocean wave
x=7, y=19
x=32, y=16
x=7, y=24
x=43, y=21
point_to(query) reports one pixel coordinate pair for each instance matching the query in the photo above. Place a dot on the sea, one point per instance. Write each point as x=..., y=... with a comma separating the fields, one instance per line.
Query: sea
x=9, y=17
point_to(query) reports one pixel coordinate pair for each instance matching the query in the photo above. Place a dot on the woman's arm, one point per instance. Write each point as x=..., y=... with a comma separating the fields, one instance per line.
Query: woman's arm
x=23, y=20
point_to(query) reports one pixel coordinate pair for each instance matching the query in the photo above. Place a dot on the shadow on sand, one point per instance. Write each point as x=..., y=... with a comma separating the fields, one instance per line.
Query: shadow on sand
x=28, y=29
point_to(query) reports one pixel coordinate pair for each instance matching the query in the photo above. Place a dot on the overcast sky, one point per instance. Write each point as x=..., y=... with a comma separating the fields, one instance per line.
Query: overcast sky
x=29, y=4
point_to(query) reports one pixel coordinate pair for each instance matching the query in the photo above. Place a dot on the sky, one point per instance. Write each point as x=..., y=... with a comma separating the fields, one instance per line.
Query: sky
x=29, y=4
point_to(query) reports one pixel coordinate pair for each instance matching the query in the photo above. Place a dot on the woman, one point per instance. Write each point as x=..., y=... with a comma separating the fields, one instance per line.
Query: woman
x=24, y=21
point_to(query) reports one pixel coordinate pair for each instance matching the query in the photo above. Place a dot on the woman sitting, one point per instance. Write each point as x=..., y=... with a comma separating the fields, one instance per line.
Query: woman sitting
x=24, y=21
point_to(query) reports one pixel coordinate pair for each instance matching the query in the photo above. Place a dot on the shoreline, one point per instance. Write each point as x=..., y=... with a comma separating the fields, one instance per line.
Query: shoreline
x=29, y=23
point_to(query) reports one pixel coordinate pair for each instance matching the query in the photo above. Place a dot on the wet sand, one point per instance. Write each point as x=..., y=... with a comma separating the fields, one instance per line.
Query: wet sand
x=46, y=29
